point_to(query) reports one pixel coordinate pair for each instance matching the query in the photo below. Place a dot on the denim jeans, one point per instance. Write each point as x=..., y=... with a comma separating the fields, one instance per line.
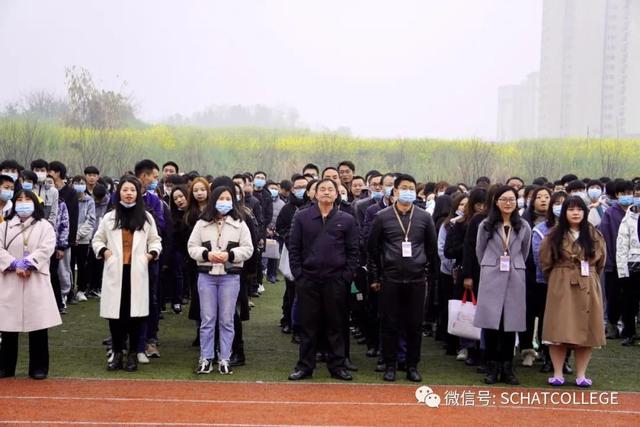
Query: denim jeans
x=218, y=296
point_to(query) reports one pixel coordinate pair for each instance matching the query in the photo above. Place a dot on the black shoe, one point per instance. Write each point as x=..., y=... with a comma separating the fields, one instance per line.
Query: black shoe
x=38, y=375
x=402, y=366
x=508, y=375
x=286, y=329
x=473, y=359
x=116, y=362
x=389, y=373
x=132, y=363
x=413, y=375
x=6, y=374
x=298, y=374
x=547, y=367
x=350, y=366
x=481, y=369
x=295, y=339
x=341, y=374
x=492, y=373
x=381, y=366
x=107, y=341
x=566, y=368
x=237, y=359
x=372, y=352
x=628, y=342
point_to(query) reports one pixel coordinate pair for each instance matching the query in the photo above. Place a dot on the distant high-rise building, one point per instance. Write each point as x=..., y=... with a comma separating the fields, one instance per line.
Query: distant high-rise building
x=518, y=110
x=590, y=68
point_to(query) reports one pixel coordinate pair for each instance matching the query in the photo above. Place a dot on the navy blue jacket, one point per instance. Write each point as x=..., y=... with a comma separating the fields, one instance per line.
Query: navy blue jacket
x=323, y=251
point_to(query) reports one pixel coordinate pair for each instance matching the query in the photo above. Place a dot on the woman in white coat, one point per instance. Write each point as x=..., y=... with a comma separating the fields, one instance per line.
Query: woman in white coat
x=127, y=240
x=27, y=303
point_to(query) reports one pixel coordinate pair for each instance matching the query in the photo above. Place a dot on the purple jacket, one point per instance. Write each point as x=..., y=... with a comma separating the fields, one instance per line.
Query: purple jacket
x=609, y=227
x=154, y=206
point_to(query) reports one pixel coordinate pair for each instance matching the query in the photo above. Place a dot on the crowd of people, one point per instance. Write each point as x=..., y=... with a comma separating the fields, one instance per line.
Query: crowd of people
x=374, y=259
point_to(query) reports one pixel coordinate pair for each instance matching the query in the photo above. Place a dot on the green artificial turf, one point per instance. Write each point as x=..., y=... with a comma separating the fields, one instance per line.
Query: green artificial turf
x=76, y=351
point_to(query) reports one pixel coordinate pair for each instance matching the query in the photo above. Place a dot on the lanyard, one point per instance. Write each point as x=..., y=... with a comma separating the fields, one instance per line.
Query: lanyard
x=505, y=241
x=406, y=232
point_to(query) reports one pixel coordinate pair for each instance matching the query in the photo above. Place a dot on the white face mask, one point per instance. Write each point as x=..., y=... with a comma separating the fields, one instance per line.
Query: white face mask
x=41, y=176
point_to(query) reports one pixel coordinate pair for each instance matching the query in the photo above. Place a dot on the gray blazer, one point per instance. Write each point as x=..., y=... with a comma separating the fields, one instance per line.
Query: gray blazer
x=502, y=292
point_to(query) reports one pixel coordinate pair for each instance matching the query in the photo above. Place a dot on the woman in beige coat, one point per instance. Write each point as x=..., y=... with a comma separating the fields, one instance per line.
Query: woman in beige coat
x=572, y=257
x=27, y=303
x=127, y=240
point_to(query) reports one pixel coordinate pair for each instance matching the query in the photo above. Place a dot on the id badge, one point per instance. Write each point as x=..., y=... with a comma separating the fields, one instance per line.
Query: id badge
x=584, y=268
x=359, y=297
x=505, y=263
x=406, y=249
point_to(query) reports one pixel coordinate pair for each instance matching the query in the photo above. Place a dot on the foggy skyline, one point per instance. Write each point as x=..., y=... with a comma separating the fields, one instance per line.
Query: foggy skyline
x=381, y=68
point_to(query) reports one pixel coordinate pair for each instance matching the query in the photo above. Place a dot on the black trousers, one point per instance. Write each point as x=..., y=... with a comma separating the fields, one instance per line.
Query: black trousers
x=125, y=326
x=79, y=256
x=287, y=302
x=38, y=352
x=402, y=306
x=94, y=271
x=536, y=302
x=631, y=298
x=446, y=290
x=55, y=280
x=499, y=344
x=613, y=289
x=321, y=306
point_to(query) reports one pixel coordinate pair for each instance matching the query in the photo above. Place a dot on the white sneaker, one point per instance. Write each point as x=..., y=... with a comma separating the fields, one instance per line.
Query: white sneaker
x=223, y=367
x=462, y=355
x=205, y=366
x=260, y=288
x=142, y=358
x=80, y=296
x=528, y=357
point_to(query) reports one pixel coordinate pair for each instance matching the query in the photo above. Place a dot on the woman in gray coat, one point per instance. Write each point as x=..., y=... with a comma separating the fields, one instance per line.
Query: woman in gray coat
x=502, y=246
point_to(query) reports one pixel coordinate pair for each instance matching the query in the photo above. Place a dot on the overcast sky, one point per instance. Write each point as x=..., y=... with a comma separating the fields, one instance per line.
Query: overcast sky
x=383, y=68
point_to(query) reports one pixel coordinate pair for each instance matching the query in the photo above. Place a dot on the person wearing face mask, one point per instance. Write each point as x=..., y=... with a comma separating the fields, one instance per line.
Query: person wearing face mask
x=343, y=201
x=374, y=195
x=45, y=190
x=278, y=204
x=220, y=243
x=402, y=250
x=86, y=223
x=94, y=266
x=27, y=302
x=628, y=265
x=127, y=240
x=386, y=200
x=537, y=302
x=7, y=187
x=609, y=227
x=12, y=169
x=596, y=205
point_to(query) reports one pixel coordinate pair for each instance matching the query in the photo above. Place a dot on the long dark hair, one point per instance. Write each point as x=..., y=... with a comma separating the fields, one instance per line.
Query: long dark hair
x=175, y=212
x=495, y=215
x=557, y=233
x=38, y=208
x=134, y=218
x=454, y=206
x=441, y=209
x=193, y=212
x=551, y=218
x=477, y=195
x=211, y=213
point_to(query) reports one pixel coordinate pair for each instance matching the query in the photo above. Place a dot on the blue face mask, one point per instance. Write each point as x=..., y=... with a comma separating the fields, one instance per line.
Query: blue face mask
x=79, y=188
x=636, y=201
x=299, y=194
x=387, y=191
x=259, y=183
x=224, y=207
x=625, y=201
x=407, y=196
x=24, y=209
x=377, y=195
x=274, y=193
x=28, y=186
x=557, y=210
x=594, y=193
x=153, y=185
x=6, y=195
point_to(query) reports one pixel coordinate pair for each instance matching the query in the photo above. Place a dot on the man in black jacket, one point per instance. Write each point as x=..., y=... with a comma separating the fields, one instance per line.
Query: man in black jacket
x=323, y=255
x=402, y=251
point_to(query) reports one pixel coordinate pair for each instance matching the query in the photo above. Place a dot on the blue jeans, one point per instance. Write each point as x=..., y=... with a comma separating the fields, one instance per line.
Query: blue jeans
x=218, y=296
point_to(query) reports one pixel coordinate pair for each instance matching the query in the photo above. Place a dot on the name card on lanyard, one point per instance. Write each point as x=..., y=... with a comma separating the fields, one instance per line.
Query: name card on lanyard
x=505, y=260
x=406, y=244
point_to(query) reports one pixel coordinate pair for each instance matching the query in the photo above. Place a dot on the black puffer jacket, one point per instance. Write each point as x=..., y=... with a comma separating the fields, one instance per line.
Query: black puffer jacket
x=386, y=263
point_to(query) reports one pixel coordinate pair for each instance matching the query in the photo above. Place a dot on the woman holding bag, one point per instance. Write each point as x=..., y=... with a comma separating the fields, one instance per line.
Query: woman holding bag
x=27, y=302
x=502, y=247
x=127, y=240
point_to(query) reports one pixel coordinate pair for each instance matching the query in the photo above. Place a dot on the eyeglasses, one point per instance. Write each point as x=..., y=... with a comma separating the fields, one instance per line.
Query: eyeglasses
x=507, y=201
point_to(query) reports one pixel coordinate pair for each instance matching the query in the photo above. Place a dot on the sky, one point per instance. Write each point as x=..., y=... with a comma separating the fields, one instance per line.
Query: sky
x=392, y=68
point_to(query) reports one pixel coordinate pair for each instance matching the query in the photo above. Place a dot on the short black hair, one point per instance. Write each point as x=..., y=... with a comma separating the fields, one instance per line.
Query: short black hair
x=326, y=169
x=171, y=163
x=311, y=166
x=483, y=179
x=368, y=175
x=261, y=172
x=568, y=178
x=39, y=164
x=624, y=186
x=320, y=181
x=359, y=177
x=79, y=178
x=386, y=175
x=99, y=191
x=29, y=176
x=59, y=167
x=297, y=176
x=145, y=166
x=38, y=208
x=11, y=164
x=516, y=178
x=347, y=163
x=595, y=182
x=174, y=179
x=5, y=178
x=286, y=185
x=404, y=177
x=241, y=176
x=574, y=185
x=91, y=170
x=539, y=181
